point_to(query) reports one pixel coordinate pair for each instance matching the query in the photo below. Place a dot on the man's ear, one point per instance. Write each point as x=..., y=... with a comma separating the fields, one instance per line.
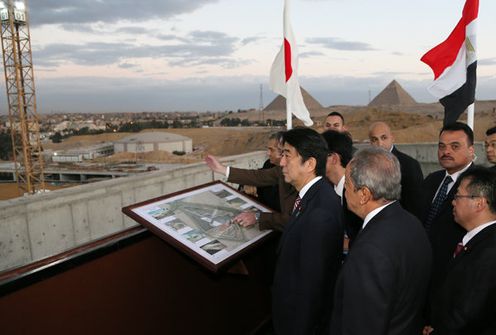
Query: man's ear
x=365, y=195
x=311, y=163
x=481, y=204
x=472, y=152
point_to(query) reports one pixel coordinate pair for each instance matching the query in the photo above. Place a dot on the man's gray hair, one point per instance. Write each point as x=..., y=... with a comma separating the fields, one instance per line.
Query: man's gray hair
x=277, y=136
x=379, y=171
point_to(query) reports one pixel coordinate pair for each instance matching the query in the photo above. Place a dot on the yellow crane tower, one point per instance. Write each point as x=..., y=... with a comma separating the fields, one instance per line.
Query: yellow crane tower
x=21, y=98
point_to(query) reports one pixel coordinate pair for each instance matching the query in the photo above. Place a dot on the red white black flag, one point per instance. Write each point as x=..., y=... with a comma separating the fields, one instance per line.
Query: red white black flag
x=454, y=63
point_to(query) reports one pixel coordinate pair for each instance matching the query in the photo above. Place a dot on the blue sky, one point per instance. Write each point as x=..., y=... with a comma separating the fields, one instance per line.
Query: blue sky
x=131, y=56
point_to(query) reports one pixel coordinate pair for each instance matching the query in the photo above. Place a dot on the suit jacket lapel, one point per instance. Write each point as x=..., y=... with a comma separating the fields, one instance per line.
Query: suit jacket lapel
x=451, y=193
x=483, y=235
x=378, y=216
x=295, y=216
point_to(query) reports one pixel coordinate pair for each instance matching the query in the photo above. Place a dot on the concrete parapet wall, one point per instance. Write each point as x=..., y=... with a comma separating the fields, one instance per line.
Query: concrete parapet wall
x=39, y=226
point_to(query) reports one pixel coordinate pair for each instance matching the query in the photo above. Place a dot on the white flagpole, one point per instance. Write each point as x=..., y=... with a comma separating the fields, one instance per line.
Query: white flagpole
x=289, y=113
x=470, y=116
x=289, y=117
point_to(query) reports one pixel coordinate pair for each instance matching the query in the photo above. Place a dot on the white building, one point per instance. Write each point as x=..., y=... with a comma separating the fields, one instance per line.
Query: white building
x=77, y=156
x=153, y=141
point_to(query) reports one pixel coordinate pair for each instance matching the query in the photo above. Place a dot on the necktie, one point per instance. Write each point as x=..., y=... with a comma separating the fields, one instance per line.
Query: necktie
x=458, y=249
x=297, y=204
x=438, y=202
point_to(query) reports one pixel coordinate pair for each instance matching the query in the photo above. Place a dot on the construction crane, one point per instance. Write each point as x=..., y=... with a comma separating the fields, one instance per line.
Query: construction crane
x=21, y=98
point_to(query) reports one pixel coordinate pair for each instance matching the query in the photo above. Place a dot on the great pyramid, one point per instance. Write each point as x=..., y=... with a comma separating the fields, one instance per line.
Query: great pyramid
x=279, y=103
x=393, y=94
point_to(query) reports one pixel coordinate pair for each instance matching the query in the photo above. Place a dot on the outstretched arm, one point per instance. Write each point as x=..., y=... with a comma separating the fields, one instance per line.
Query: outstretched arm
x=214, y=165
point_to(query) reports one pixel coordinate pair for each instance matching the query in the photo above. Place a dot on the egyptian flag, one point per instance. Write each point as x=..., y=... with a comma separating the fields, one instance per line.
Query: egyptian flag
x=283, y=74
x=454, y=63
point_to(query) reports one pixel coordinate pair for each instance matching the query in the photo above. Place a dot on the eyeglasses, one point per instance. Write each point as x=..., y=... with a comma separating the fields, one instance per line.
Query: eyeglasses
x=458, y=196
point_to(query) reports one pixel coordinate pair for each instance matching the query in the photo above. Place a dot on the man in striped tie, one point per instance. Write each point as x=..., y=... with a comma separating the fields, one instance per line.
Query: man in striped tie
x=455, y=154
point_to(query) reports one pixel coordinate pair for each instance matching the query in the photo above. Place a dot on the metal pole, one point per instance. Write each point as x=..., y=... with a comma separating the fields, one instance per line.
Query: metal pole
x=470, y=116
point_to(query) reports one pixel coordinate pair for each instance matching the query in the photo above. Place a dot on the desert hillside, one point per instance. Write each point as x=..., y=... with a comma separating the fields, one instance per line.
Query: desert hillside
x=414, y=124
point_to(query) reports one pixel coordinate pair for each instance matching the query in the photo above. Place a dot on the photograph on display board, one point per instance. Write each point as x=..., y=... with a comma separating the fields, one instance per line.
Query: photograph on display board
x=199, y=221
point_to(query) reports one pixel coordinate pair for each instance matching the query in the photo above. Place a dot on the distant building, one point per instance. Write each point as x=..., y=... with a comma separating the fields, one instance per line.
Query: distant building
x=153, y=141
x=77, y=156
x=78, y=125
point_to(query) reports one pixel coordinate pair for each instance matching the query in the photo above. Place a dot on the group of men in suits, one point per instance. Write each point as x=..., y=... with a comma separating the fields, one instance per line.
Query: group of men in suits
x=404, y=231
x=459, y=206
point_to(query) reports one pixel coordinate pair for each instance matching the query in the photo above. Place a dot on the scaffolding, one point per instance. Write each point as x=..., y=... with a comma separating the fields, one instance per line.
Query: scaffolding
x=21, y=98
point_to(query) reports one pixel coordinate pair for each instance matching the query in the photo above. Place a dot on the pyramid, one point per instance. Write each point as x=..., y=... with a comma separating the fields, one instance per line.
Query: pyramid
x=393, y=94
x=279, y=103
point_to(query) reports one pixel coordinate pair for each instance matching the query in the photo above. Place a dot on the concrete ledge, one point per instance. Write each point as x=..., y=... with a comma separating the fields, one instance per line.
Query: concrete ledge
x=39, y=226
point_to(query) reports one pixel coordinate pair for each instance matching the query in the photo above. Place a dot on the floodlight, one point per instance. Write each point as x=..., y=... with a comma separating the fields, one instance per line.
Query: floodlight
x=4, y=12
x=19, y=12
x=19, y=5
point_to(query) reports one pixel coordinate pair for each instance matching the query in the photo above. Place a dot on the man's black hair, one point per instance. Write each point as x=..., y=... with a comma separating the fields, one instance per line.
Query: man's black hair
x=336, y=114
x=491, y=131
x=482, y=182
x=339, y=143
x=460, y=126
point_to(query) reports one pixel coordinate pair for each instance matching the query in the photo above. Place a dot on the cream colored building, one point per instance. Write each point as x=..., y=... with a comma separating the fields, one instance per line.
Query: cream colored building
x=153, y=141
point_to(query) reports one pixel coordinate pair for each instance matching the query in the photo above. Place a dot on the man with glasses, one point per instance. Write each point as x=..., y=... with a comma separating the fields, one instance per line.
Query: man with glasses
x=464, y=303
x=490, y=145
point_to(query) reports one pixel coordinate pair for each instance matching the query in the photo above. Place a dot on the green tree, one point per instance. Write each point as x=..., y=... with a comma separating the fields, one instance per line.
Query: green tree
x=177, y=124
x=56, y=138
x=5, y=146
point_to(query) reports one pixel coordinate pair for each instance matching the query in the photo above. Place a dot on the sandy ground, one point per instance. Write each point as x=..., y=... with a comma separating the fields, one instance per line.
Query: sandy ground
x=9, y=190
x=217, y=141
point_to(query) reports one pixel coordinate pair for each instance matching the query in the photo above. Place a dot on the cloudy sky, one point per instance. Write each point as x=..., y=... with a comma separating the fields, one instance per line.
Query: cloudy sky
x=167, y=55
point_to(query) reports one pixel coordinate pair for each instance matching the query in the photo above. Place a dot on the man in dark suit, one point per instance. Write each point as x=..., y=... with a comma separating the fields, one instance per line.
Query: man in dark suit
x=455, y=155
x=384, y=280
x=490, y=145
x=340, y=148
x=265, y=177
x=411, y=174
x=269, y=195
x=310, y=250
x=464, y=303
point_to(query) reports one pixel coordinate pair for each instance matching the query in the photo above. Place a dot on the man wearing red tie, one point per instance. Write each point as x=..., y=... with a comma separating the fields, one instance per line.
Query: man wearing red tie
x=311, y=246
x=464, y=303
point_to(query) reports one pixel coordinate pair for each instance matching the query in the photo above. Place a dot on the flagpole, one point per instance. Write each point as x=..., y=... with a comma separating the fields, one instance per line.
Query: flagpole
x=284, y=75
x=289, y=117
x=287, y=30
x=470, y=115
